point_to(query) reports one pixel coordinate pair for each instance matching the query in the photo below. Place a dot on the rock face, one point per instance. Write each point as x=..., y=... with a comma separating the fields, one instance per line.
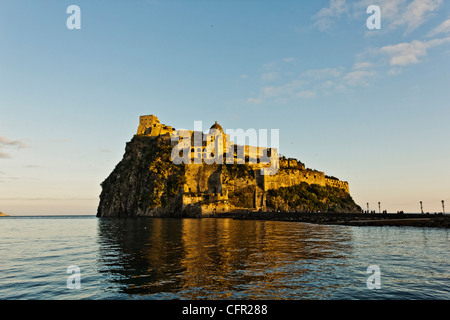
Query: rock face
x=3, y=215
x=147, y=183
x=144, y=183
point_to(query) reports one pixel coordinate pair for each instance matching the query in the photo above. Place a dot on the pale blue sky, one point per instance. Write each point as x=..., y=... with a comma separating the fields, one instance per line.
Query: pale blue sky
x=368, y=106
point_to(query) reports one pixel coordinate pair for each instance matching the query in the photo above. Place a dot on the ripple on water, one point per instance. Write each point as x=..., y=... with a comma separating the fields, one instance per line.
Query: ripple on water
x=218, y=259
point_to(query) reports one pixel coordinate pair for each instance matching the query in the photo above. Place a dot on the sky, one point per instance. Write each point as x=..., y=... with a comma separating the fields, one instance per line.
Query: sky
x=369, y=106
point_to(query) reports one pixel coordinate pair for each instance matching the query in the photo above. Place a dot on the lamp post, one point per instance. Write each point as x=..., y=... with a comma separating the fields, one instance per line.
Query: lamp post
x=443, y=210
x=421, y=208
x=379, y=207
x=367, y=207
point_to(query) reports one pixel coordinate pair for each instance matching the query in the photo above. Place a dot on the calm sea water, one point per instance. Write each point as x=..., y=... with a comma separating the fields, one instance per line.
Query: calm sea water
x=218, y=259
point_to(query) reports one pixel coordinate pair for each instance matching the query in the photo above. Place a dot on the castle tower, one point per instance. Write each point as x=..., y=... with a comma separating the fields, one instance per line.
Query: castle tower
x=217, y=127
x=147, y=122
x=225, y=137
x=150, y=126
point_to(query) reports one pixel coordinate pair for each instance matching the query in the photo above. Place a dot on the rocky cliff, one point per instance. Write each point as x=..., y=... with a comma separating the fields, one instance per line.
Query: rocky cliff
x=144, y=183
x=147, y=183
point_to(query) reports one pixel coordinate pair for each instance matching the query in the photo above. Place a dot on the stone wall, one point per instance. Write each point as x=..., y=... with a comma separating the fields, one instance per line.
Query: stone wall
x=291, y=177
x=203, y=179
x=208, y=187
x=338, y=184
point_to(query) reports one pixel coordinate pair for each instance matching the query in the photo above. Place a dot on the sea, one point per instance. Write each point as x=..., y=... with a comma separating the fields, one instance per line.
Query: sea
x=90, y=258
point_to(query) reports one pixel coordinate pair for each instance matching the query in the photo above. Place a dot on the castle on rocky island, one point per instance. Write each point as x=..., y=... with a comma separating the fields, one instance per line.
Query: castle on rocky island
x=207, y=189
x=190, y=173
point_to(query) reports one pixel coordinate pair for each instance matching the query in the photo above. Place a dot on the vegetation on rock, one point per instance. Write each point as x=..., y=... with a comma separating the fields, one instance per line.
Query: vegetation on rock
x=311, y=197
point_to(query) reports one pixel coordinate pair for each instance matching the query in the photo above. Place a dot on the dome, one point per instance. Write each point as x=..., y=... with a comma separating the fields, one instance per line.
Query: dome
x=216, y=126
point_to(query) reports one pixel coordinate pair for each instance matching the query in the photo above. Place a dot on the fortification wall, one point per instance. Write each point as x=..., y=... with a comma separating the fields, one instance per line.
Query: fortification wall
x=338, y=184
x=291, y=177
x=291, y=163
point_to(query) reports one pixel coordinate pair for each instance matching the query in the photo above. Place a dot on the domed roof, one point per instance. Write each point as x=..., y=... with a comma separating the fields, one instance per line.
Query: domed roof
x=217, y=127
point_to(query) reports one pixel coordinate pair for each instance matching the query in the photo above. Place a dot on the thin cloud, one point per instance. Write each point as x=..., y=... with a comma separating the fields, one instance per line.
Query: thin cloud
x=9, y=179
x=62, y=140
x=418, y=12
x=444, y=27
x=406, y=53
x=314, y=82
x=323, y=73
x=270, y=76
x=326, y=18
x=47, y=199
x=8, y=143
x=5, y=142
x=359, y=77
x=406, y=14
x=369, y=65
x=254, y=100
x=276, y=91
x=4, y=155
x=362, y=65
x=271, y=66
x=394, y=71
x=306, y=94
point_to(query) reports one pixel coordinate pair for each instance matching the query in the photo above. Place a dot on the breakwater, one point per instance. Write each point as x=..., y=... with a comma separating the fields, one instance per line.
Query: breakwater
x=352, y=219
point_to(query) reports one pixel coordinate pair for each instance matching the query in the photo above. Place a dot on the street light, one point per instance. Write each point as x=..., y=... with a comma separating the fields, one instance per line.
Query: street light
x=443, y=210
x=421, y=208
x=367, y=207
x=379, y=207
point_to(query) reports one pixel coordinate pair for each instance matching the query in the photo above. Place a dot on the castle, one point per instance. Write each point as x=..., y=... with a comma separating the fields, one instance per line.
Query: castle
x=215, y=145
x=207, y=188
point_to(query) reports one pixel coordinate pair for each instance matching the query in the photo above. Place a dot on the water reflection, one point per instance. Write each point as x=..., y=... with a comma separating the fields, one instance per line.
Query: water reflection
x=222, y=258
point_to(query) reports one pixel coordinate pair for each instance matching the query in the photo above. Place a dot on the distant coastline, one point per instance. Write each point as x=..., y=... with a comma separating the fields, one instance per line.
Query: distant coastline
x=3, y=215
